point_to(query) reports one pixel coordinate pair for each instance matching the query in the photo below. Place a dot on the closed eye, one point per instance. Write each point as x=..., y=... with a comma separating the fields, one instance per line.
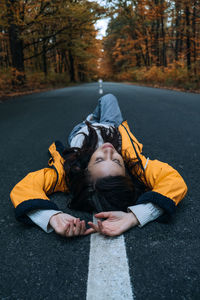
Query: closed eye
x=98, y=159
x=117, y=161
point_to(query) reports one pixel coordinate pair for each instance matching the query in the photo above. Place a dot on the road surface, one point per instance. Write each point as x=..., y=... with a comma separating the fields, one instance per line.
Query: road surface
x=160, y=260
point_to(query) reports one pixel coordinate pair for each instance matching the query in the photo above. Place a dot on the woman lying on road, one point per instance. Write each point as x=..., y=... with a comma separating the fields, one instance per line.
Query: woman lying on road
x=105, y=172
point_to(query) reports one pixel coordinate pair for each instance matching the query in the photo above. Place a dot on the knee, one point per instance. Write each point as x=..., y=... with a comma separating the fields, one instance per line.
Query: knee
x=108, y=98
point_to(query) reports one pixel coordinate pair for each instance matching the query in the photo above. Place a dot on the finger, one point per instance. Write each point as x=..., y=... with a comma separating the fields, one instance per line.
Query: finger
x=77, y=227
x=89, y=231
x=83, y=228
x=103, y=215
x=100, y=225
x=102, y=228
x=94, y=226
x=69, y=232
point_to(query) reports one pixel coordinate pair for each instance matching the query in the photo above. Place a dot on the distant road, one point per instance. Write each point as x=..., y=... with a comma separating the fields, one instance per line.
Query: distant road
x=163, y=259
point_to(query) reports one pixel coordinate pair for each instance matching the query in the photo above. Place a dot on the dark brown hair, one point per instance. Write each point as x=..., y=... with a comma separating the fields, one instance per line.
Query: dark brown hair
x=108, y=193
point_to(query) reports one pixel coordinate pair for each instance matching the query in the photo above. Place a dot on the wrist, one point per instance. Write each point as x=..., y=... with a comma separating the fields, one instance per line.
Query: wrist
x=54, y=216
x=133, y=218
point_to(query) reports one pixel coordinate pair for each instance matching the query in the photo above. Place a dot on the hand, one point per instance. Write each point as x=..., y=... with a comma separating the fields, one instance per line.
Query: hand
x=67, y=225
x=115, y=224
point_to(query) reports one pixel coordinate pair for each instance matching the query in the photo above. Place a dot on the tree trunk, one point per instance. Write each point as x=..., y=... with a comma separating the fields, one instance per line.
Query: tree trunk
x=71, y=64
x=44, y=58
x=16, y=46
x=157, y=50
x=194, y=36
x=177, y=28
x=147, y=53
x=35, y=47
x=164, y=58
x=7, y=57
x=59, y=55
x=188, y=48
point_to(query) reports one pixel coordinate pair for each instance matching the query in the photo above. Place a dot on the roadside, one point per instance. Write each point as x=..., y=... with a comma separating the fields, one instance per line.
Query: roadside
x=160, y=86
x=174, y=77
x=6, y=95
x=35, y=83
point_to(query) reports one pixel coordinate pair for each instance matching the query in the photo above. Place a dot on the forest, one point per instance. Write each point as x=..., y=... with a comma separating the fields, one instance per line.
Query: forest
x=154, y=41
x=54, y=43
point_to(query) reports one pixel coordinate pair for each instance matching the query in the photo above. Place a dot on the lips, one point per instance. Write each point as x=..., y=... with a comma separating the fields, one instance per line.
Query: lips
x=107, y=145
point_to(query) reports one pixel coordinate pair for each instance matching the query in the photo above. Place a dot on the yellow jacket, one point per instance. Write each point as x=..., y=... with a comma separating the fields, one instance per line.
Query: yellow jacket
x=167, y=186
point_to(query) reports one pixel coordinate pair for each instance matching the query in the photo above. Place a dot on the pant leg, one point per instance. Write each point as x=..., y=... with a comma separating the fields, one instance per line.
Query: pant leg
x=74, y=131
x=91, y=118
x=108, y=111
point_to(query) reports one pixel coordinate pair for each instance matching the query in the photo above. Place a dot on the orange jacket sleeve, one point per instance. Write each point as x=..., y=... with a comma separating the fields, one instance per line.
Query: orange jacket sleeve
x=165, y=180
x=167, y=187
x=32, y=193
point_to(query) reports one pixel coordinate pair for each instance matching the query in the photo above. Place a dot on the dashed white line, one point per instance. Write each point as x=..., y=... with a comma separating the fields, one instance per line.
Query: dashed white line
x=108, y=277
x=100, y=86
x=100, y=91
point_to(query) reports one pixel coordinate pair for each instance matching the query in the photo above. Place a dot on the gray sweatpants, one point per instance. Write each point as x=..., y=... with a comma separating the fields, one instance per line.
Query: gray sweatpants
x=106, y=112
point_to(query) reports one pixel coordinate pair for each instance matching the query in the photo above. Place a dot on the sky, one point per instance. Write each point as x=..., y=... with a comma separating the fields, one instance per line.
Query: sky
x=103, y=23
x=102, y=26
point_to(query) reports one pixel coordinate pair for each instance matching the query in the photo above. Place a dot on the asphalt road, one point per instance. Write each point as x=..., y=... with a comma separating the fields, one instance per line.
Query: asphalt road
x=163, y=258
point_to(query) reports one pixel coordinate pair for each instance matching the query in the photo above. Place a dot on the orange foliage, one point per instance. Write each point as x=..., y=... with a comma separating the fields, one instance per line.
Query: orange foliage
x=155, y=42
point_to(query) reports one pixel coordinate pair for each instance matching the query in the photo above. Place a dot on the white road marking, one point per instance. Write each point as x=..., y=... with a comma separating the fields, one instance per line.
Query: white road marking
x=108, y=277
x=100, y=86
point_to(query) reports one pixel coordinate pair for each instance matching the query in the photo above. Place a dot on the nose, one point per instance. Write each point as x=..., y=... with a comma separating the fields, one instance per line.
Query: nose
x=108, y=152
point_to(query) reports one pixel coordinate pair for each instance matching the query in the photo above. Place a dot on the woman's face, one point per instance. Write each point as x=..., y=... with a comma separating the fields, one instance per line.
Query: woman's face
x=106, y=161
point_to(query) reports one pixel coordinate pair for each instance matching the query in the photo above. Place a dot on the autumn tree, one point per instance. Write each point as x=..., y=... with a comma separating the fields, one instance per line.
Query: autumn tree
x=153, y=33
x=46, y=35
x=14, y=13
